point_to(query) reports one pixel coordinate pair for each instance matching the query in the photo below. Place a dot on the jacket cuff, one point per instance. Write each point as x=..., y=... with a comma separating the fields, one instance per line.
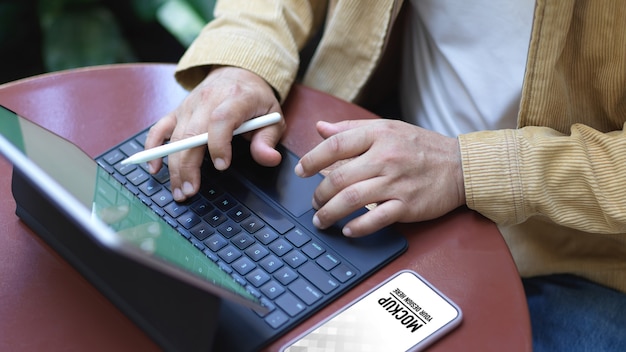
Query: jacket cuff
x=491, y=173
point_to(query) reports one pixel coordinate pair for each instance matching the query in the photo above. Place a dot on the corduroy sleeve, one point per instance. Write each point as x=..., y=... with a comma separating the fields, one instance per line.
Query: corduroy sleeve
x=576, y=180
x=261, y=36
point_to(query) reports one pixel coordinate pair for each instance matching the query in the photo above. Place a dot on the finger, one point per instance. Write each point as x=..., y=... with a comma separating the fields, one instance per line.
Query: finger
x=341, y=146
x=263, y=144
x=184, y=166
x=349, y=200
x=223, y=121
x=327, y=129
x=354, y=171
x=157, y=135
x=384, y=214
x=184, y=170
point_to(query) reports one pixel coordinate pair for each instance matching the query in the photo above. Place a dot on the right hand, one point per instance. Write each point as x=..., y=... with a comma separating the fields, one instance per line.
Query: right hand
x=226, y=98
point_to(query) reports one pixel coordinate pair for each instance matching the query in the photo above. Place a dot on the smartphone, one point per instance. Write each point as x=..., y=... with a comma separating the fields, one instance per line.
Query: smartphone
x=403, y=313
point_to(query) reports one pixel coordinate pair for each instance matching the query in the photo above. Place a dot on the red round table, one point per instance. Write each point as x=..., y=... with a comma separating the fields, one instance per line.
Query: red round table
x=46, y=305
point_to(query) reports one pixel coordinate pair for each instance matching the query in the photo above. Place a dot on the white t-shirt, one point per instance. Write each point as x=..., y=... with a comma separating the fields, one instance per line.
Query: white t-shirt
x=464, y=63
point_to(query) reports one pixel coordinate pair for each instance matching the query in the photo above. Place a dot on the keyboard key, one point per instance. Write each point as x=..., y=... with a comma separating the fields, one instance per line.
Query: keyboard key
x=294, y=258
x=131, y=147
x=150, y=187
x=276, y=319
x=243, y=265
x=242, y=241
x=173, y=223
x=343, y=272
x=290, y=304
x=272, y=289
x=305, y=291
x=313, y=250
x=141, y=138
x=201, y=207
x=328, y=261
x=225, y=202
x=125, y=169
x=197, y=244
x=215, y=218
x=201, y=231
x=256, y=252
x=216, y=242
x=240, y=280
x=163, y=175
x=297, y=237
x=266, y=235
x=225, y=267
x=238, y=213
x=184, y=233
x=285, y=275
x=175, y=209
x=211, y=255
x=210, y=191
x=280, y=247
x=252, y=224
x=271, y=263
x=188, y=220
x=113, y=157
x=138, y=177
x=258, y=277
x=162, y=198
x=229, y=229
x=318, y=277
x=229, y=254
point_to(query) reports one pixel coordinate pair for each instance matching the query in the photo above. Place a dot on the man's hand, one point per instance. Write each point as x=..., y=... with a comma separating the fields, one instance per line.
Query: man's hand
x=226, y=98
x=412, y=174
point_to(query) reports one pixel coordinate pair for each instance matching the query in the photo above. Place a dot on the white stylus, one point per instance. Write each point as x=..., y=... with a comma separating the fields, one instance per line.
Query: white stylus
x=196, y=141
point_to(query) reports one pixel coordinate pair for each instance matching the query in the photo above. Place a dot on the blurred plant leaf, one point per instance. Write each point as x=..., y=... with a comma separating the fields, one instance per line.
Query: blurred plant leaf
x=84, y=36
x=181, y=20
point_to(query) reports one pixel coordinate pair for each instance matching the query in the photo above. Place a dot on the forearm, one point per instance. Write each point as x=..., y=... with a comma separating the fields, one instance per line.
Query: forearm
x=575, y=180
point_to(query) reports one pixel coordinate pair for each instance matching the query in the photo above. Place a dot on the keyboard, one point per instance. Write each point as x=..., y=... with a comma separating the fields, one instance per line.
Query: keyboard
x=282, y=264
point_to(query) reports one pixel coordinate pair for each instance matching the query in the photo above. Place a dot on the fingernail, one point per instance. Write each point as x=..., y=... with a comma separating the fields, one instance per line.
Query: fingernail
x=178, y=194
x=151, y=168
x=219, y=164
x=299, y=170
x=346, y=232
x=187, y=188
x=316, y=222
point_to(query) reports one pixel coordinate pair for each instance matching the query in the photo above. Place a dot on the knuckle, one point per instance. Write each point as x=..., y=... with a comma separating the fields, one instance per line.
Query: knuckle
x=334, y=145
x=336, y=179
x=352, y=197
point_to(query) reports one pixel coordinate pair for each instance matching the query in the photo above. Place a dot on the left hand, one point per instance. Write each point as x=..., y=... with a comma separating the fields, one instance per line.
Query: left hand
x=412, y=174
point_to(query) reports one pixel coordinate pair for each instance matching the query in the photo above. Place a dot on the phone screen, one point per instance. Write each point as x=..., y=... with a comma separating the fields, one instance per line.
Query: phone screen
x=403, y=313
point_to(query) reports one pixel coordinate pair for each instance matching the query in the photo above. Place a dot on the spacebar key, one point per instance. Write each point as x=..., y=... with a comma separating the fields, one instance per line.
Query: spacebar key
x=271, y=216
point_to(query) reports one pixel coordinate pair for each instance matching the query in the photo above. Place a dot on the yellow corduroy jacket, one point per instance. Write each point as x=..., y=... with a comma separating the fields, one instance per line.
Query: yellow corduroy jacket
x=556, y=185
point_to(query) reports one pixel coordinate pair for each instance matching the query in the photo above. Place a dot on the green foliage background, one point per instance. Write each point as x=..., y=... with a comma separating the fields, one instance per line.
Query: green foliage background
x=38, y=36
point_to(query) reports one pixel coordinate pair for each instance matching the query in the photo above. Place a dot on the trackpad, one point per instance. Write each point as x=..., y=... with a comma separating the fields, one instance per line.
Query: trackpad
x=281, y=183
